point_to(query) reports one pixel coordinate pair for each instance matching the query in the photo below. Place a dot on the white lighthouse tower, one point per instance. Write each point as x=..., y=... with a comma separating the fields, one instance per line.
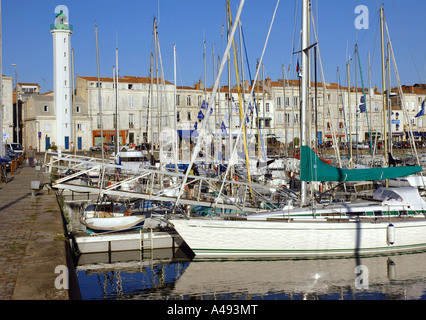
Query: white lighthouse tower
x=62, y=78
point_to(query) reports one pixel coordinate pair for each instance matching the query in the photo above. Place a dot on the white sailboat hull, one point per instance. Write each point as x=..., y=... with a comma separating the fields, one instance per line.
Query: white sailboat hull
x=222, y=238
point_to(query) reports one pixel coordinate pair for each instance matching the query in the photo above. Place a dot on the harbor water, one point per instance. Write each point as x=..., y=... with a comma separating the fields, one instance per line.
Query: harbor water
x=168, y=274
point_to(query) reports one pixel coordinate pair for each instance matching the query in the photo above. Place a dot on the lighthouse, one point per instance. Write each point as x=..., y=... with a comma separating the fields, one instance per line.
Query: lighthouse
x=62, y=77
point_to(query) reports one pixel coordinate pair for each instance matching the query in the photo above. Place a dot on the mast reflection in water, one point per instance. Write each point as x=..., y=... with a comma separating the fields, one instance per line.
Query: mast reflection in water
x=168, y=275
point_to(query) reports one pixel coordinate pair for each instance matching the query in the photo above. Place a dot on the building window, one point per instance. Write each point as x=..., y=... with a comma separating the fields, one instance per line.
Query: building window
x=189, y=116
x=178, y=116
x=376, y=107
x=267, y=107
x=296, y=102
x=188, y=100
x=131, y=105
x=78, y=126
x=287, y=101
x=131, y=121
x=130, y=86
x=78, y=109
x=178, y=100
x=46, y=108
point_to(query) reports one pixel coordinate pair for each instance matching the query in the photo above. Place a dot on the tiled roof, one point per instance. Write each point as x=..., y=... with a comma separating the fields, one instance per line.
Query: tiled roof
x=125, y=79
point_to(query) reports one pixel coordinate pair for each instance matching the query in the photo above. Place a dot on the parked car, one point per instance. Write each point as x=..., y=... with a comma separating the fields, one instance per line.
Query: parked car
x=15, y=147
x=327, y=144
x=397, y=145
x=11, y=154
x=360, y=145
x=406, y=144
x=7, y=161
x=143, y=146
x=96, y=148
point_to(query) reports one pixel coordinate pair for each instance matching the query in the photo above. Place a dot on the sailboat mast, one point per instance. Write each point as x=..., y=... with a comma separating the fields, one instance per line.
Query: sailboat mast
x=99, y=93
x=389, y=101
x=175, y=109
x=74, y=128
x=117, y=137
x=356, y=102
x=229, y=101
x=385, y=139
x=304, y=140
x=350, y=117
x=285, y=114
x=151, y=106
x=157, y=105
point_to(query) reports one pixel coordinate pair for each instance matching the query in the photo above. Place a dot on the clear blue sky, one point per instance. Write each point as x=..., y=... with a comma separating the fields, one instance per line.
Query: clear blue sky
x=27, y=41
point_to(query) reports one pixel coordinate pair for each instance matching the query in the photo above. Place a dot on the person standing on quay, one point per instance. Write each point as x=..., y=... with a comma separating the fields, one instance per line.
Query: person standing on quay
x=31, y=156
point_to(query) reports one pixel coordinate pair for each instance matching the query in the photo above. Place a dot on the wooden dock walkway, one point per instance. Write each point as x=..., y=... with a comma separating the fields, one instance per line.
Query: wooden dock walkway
x=32, y=242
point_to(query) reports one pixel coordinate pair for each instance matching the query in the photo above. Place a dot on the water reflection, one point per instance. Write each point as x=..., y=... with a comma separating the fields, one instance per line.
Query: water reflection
x=168, y=274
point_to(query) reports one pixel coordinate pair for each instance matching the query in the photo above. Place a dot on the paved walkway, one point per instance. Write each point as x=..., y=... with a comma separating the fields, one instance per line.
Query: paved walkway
x=32, y=242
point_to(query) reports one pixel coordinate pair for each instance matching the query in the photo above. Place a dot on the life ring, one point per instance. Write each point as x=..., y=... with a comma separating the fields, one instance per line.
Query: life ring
x=236, y=178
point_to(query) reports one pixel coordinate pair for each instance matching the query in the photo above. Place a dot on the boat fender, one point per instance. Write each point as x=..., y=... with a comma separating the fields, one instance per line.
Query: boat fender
x=391, y=234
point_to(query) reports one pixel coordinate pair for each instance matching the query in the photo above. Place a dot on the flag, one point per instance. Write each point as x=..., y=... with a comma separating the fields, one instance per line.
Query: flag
x=422, y=111
x=196, y=125
x=250, y=108
x=211, y=110
x=226, y=117
x=297, y=67
x=200, y=115
x=362, y=108
x=204, y=104
x=223, y=127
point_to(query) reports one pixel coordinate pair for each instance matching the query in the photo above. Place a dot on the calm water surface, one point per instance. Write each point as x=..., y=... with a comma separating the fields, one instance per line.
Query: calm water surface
x=175, y=275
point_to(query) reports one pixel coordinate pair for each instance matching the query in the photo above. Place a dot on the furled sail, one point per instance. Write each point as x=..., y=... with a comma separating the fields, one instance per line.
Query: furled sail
x=313, y=169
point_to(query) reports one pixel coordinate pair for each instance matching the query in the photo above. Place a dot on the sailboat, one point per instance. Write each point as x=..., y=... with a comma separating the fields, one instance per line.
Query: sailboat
x=394, y=219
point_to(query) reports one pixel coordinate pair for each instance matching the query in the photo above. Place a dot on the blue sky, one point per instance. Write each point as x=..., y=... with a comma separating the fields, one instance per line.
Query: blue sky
x=27, y=41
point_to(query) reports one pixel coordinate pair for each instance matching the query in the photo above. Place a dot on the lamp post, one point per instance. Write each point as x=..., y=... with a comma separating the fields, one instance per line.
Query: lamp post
x=17, y=103
x=38, y=134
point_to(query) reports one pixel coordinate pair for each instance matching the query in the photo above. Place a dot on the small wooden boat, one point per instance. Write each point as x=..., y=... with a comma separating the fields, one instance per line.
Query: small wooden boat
x=114, y=224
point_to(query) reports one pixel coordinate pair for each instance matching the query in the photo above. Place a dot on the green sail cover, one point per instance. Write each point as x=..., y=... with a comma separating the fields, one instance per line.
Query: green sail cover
x=312, y=168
